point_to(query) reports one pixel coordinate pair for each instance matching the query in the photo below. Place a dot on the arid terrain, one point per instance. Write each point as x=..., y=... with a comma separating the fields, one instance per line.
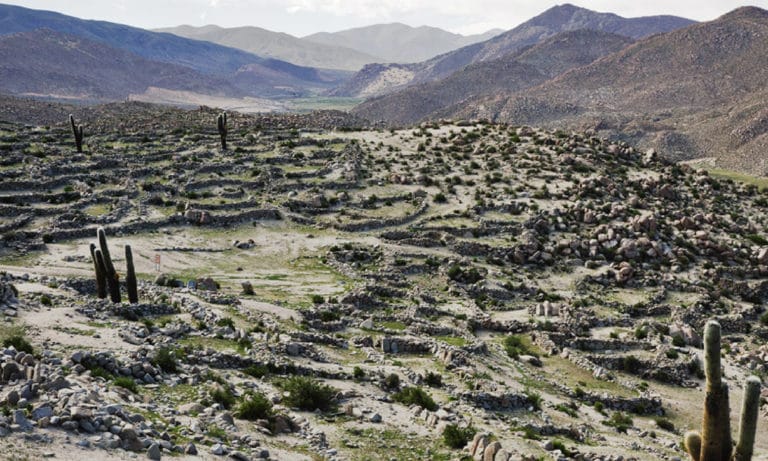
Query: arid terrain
x=330, y=292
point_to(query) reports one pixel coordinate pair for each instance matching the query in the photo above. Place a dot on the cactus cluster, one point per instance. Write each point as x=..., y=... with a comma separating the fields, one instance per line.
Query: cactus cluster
x=107, y=278
x=714, y=443
x=78, y=132
x=221, y=124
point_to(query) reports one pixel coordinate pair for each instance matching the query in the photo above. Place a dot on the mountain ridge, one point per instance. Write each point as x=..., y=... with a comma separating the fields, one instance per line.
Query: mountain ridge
x=692, y=93
x=528, y=67
x=399, y=43
x=557, y=19
x=278, y=45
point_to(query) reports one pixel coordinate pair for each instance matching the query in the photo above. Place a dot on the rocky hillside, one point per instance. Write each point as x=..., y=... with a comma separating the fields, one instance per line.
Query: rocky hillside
x=558, y=19
x=68, y=67
x=514, y=72
x=316, y=291
x=696, y=92
x=277, y=45
x=399, y=43
x=265, y=76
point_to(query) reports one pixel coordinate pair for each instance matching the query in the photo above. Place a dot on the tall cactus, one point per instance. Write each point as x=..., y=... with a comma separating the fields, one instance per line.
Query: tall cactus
x=78, y=132
x=130, y=277
x=715, y=443
x=113, y=279
x=101, y=282
x=221, y=124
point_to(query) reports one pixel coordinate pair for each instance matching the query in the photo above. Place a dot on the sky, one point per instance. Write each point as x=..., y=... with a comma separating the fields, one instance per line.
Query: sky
x=304, y=17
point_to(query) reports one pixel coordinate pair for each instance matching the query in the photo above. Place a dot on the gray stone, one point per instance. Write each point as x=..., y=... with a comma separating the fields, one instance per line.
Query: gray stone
x=12, y=398
x=42, y=411
x=218, y=449
x=190, y=449
x=21, y=420
x=154, y=452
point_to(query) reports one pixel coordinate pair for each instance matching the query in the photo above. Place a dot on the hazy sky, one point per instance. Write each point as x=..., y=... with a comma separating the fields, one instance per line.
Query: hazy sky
x=303, y=17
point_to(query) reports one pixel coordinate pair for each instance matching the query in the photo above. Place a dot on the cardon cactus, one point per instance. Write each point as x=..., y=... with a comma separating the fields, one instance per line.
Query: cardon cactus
x=715, y=443
x=101, y=281
x=221, y=124
x=78, y=132
x=130, y=277
x=113, y=279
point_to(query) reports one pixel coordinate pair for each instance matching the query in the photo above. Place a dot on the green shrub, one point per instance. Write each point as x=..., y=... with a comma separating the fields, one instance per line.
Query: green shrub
x=317, y=299
x=358, y=373
x=457, y=437
x=764, y=318
x=257, y=371
x=307, y=393
x=433, y=379
x=631, y=364
x=19, y=343
x=164, y=359
x=254, y=406
x=226, y=322
x=45, y=300
x=620, y=421
x=665, y=424
x=392, y=381
x=534, y=398
x=126, y=382
x=678, y=341
x=223, y=396
x=515, y=347
x=98, y=372
x=641, y=332
x=415, y=396
x=599, y=407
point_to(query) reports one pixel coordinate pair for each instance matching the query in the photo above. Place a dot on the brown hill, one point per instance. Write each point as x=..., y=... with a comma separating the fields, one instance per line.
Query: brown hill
x=696, y=92
x=561, y=18
x=515, y=71
x=47, y=63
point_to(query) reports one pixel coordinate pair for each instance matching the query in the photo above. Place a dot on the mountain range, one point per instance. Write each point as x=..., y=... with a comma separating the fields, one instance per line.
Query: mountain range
x=399, y=43
x=697, y=92
x=345, y=50
x=250, y=74
x=380, y=79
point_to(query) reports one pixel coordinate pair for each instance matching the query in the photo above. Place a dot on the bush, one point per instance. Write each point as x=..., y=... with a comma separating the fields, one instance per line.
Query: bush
x=254, y=406
x=678, y=341
x=164, y=359
x=641, y=333
x=307, y=393
x=665, y=424
x=223, y=396
x=317, y=299
x=19, y=343
x=433, y=379
x=415, y=396
x=514, y=346
x=631, y=364
x=226, y=322
x=45, y=300
x=392, y=381
x=764, y=318
x=457, y=437
x=257, y=371
x=126, y=382
x=358, y=373
x=620, y=421
x=534, y=398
